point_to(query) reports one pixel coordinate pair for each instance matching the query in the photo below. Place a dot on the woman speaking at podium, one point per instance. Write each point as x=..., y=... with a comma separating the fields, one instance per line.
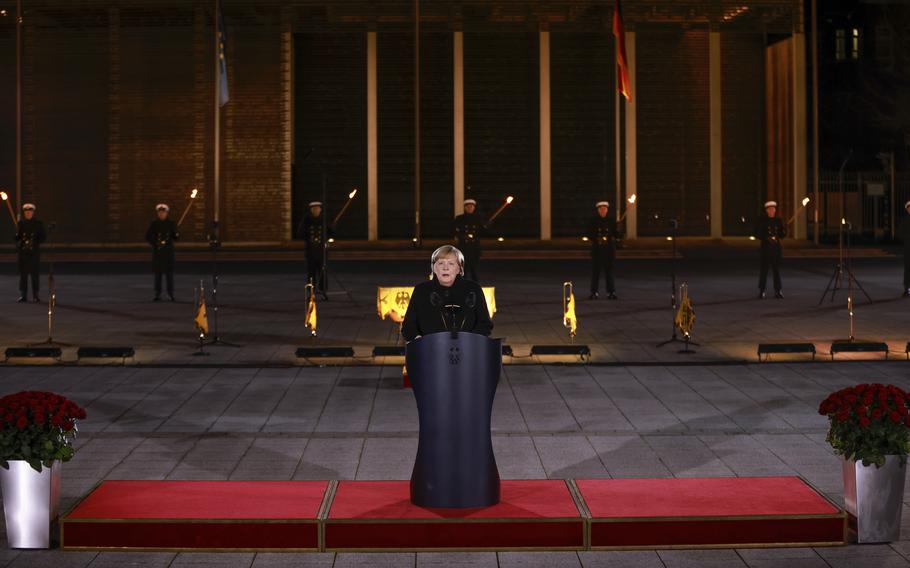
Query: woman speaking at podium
x=448, y=301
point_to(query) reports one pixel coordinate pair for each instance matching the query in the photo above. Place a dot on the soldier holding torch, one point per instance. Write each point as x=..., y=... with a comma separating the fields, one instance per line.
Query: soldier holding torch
x=161, y=235
x=29, y=236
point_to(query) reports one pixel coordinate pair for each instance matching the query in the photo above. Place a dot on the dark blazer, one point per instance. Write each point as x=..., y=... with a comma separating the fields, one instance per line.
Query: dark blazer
x=427, y=312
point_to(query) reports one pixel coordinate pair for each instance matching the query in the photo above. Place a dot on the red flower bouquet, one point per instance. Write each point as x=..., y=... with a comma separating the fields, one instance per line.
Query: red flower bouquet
x=868, y=422
x=37, y=427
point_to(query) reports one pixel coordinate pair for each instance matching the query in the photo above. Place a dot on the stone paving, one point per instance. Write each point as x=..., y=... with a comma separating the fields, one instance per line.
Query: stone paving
x=549, y=421
x=254, y=412
x=262, y=309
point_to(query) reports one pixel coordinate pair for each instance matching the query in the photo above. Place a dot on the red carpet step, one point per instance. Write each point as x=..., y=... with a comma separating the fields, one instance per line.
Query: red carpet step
x=378, y=515
x=709, y=512
x=197, y=515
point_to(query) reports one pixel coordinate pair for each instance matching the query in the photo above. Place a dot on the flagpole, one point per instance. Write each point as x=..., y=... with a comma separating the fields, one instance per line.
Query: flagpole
x=217, y=85
x=19, y=101
x=417, y=235
x=618, y=150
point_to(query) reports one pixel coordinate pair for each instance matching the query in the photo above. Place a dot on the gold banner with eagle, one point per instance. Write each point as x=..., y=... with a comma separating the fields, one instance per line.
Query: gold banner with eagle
x=685, y=315
x=392, y=302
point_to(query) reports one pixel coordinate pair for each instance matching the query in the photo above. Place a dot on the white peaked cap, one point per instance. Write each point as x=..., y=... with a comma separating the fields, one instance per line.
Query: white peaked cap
x=470, y=202
x=28, y=207
x=602, y=204
x=770, y=204
x=161, y=206
x=315, y=204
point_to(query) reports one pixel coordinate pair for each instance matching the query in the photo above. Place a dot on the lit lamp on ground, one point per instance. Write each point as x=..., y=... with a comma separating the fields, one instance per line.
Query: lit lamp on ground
x=9, y=206
x=189, y=206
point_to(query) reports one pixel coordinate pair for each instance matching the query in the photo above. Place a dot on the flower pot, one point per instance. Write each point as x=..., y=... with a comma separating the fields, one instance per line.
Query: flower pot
x=873, y=496
x=31, y=502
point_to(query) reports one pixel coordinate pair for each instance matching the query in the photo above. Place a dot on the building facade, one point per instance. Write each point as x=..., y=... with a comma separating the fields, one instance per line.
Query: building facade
x=516, y=98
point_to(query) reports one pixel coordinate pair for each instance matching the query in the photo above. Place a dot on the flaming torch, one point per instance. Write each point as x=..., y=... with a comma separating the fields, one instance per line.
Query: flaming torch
x=189, y=205
x=9, y=206
x=502, y=208
x=802, y=206
x=345, y=208
x=631, y=201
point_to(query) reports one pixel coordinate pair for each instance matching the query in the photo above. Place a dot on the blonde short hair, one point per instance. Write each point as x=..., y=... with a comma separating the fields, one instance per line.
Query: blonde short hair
x=446, y=250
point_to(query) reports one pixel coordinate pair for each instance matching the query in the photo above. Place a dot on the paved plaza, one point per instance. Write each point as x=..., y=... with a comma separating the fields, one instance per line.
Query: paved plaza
x=548, y=420
x=262, y=309
x=254, y=413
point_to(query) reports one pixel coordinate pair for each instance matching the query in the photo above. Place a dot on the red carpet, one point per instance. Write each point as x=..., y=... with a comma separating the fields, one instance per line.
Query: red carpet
x=200, y=515
x=378, y=515
x=729, y=511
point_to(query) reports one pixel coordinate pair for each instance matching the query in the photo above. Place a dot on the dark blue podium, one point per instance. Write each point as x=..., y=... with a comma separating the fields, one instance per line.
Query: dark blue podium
x=454, y=378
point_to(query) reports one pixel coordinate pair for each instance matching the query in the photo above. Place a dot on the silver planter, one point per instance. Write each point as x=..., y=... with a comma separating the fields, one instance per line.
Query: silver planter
x=874, y=497
x=31, y=502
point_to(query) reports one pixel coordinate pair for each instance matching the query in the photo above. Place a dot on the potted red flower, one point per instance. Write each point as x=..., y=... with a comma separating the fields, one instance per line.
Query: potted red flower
x=870, y=429
x=36, y=436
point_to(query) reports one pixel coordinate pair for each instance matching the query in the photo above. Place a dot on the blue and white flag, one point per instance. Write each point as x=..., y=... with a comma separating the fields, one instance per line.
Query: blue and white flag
x=223, y=96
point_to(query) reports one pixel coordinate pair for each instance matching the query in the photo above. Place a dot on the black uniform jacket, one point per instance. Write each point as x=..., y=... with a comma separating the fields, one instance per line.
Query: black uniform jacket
x=427, y=312
x=770, y=230
x=310, y=231
x=29, y=236
x=468, y=228
x=602, y=231
x=162, y=234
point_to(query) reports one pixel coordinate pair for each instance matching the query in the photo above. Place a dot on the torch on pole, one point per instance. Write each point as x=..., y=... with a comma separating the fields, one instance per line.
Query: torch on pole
x=189, y=205
x=9, y=206
x=502, y=208
x=345, y=208
x=632, y=200
x=802, y=206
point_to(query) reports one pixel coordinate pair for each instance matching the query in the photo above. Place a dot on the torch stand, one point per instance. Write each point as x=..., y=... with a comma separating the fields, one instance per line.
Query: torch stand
x=215, y=244
x=674, y=225
x=51, y=299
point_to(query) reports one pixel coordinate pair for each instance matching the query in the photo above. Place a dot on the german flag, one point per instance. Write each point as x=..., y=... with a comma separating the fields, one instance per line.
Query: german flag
x=622, y=63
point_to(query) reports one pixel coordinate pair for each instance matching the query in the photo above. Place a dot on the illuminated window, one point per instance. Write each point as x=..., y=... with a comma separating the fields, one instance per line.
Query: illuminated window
x=840, y=45
x=854, y=44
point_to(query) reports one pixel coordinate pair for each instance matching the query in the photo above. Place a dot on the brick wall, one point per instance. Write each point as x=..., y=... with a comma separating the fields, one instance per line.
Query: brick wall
x=501, y=126
x=583, y=127
x=119, y=116
x=256, y=150
x=742, y=108
x=330, y=119
x=7, y=116
x=65, y=114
